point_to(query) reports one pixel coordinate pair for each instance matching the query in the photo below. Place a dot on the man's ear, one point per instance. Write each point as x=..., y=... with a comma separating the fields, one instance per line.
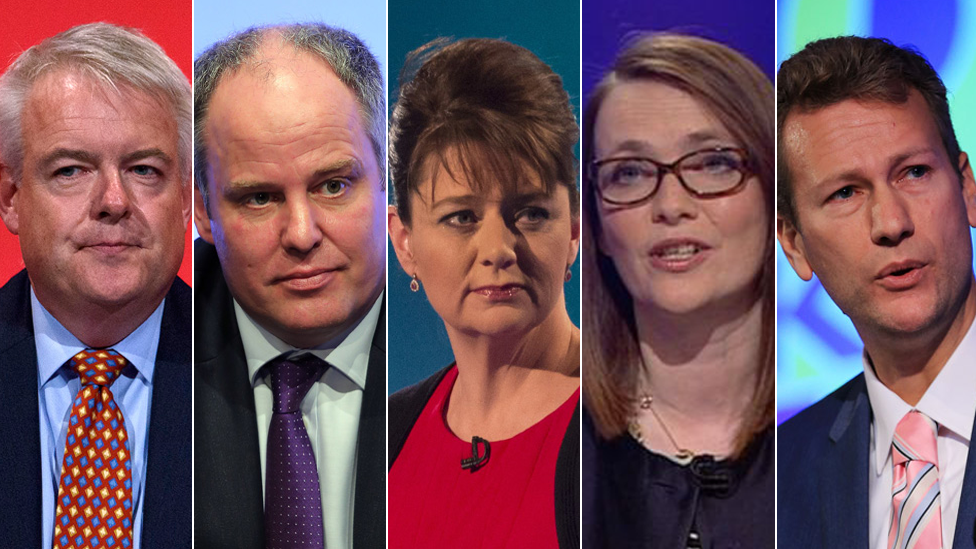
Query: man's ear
x=200, y=216
x=8, y=200
x=968, y=187
x=792, y=242
x=400, y=237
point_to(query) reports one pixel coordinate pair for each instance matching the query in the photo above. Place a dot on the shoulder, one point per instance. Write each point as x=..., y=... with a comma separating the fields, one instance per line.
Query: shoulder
x=15, y=310
x=404, y=407
x=802, y=438
x=818, y=418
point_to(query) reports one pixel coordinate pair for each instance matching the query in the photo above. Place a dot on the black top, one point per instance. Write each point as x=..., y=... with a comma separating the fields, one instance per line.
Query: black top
x=406, y=405
x=635, y=498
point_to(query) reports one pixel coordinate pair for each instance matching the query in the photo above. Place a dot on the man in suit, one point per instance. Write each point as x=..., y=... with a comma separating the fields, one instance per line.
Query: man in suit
x=95, y=162
x=877, y=200
x=290, y=273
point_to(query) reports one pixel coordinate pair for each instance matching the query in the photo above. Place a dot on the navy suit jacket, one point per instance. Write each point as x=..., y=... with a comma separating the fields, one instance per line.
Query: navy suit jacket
x=823, y=467
x=166, y=520
x=229, y=500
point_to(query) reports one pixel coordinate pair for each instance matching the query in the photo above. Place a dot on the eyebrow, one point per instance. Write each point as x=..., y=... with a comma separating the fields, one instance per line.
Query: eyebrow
x=350, y=166
x=73, y=154
x=147, y=153
x=692, y=139
x=469, y=200
x=855, y=174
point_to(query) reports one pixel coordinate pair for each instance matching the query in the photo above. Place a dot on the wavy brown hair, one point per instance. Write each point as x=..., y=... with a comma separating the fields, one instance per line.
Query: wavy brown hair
x=738, y=94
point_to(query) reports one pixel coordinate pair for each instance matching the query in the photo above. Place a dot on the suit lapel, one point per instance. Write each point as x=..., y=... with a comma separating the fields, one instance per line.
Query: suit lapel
x=230, y=503
x=370, y=501
x=965, y=535
x=228, y=498
x=20, y=452
x=844, y=473
x=167, y=516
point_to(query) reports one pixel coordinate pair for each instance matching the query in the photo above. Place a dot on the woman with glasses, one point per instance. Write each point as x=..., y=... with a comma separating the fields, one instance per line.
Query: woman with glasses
x=485, y=453
x=678, y=306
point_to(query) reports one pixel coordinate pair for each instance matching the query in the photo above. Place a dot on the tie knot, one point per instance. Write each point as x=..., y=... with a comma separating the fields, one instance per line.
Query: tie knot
x=915, y=439
x=98, y=366
x=291, y=378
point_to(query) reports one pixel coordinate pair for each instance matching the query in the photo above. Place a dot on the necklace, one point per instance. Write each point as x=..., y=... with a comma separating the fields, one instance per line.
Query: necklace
x=645, y=402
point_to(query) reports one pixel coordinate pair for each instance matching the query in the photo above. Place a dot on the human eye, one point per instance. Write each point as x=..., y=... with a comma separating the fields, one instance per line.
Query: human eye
x=334, y=187
x=459, y=219
x=532, y=215
x=629, y=171
x=916, y=172
x=145, y=171
x=67, y=172
x=844, y=193
x=257, y=199
x=714, y=162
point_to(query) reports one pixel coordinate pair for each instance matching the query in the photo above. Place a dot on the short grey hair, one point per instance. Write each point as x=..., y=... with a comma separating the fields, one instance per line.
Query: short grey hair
x=109, y=55
x=342, y=50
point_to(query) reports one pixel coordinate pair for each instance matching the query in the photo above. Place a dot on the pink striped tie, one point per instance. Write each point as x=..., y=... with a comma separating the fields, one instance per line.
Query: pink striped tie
x=916, y=514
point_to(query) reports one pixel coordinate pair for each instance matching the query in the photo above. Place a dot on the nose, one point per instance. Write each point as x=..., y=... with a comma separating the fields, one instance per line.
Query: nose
x=891, y=222
x=496, y=243
x=301, y=233
x=672, y=202
x=112, y=201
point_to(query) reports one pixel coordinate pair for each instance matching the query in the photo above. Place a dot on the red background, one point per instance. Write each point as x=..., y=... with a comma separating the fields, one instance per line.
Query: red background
x=168, y=23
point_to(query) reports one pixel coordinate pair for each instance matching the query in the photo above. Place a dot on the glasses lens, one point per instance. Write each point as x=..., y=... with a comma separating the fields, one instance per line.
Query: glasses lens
x=626, y=180
x=710, y=172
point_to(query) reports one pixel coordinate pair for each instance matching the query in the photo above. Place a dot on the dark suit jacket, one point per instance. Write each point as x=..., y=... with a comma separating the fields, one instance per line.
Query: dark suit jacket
x=166, y=520
x=823, y=469
x=229, y=504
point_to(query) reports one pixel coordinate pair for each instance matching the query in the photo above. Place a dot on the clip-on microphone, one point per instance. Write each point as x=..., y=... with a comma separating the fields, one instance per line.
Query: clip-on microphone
x=476, y=462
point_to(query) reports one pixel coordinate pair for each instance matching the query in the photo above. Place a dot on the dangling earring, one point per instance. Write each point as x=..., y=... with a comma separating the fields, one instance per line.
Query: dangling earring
x=414, y=284
x=568, y=276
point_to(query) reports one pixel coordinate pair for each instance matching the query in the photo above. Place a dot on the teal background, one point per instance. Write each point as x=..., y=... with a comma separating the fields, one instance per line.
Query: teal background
x=818, y=348
x=418, y=344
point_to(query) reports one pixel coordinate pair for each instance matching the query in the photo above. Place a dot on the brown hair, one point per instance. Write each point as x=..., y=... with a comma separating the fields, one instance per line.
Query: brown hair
x=832, y=70
x=736, y=92
x=496, y=105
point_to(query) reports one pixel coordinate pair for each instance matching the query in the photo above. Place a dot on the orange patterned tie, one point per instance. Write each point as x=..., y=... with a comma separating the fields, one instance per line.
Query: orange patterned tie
x=95, y=493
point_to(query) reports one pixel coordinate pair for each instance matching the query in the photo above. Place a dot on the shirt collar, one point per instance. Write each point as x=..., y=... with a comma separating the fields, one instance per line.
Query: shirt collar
x=348, y=352
x=950, y=400
x=55, y=344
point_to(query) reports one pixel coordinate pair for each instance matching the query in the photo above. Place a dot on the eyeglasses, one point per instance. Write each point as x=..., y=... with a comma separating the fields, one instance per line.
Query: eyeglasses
x=708, y=173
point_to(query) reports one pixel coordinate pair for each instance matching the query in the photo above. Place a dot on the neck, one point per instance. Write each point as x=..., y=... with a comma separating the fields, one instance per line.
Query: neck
x=908, y=363
x=100, y=325
x=703, y=365
x=506, y=383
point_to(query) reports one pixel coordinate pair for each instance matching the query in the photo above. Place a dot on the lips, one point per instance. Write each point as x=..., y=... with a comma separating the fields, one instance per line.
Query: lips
x=678, y=254
x=109, y=247
x=502, y=292
x=901, y=275
x=306, y=279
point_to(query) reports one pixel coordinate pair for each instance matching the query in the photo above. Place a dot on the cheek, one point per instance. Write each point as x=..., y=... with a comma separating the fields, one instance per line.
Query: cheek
x=623, y=233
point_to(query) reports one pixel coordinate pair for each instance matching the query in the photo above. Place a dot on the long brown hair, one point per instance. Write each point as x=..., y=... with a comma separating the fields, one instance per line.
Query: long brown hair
x=737, y=93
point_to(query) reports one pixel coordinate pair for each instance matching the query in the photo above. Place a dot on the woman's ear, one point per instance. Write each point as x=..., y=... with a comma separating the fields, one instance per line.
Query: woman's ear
x=400, y=237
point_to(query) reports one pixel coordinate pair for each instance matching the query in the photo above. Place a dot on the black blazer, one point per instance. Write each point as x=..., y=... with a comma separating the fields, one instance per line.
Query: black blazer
x=824, y=463
x=407, y=404
x=166, y=520
x=229, y=506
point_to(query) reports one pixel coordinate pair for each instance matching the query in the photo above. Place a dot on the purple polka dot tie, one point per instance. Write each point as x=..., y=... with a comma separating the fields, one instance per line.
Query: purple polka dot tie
x=292, y=501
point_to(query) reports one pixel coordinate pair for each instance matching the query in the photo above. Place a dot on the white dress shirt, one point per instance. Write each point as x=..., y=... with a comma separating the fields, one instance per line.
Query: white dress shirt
x=951, y=401
x=331, y=411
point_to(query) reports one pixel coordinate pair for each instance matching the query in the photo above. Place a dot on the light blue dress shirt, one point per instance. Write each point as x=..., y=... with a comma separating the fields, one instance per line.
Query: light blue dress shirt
x=57, y=386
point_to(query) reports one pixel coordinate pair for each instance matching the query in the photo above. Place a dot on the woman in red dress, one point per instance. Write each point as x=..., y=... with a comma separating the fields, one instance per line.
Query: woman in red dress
x=486, y=452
